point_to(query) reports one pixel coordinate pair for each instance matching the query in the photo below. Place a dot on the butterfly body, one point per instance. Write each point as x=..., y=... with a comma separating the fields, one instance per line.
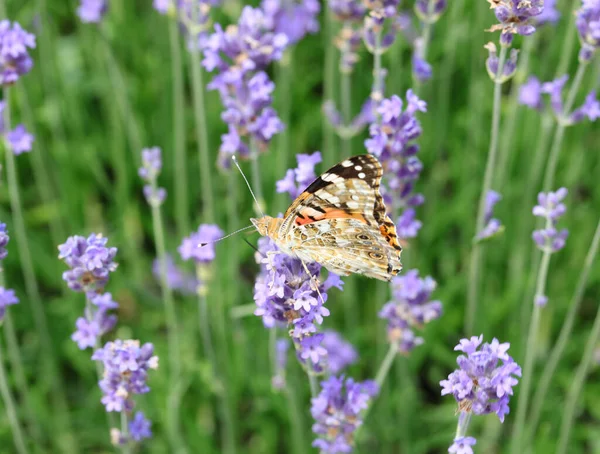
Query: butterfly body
x=340, y=222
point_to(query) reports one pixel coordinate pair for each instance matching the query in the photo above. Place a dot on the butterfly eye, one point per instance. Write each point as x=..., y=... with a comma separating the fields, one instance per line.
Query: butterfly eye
x=362, y=237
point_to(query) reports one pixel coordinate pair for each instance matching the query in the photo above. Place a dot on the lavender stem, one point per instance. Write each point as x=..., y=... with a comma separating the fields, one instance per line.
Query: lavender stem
x=563, y=338
x=386, y=364
x=346, y=102
x=256, y=180
x=329, y=148
x=126, y=447
x=476, y=251
x=9, y=406
x=464, y=418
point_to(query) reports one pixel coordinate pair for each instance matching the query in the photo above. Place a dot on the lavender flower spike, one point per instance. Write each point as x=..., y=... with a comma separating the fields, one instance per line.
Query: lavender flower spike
x=3, y=241
x=7, y=298
x=515, y=17
x=20, y=140
x=151, y=167
x=92, y=11
x=587, y=22
x=492, y=225
x=551, y=208
x=14, y=57
x=462, y=445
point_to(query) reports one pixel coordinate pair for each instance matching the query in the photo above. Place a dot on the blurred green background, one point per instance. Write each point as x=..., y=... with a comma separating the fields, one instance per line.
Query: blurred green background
x=97, y=95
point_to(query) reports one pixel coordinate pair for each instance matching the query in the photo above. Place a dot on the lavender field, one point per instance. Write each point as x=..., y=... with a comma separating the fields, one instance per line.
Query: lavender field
x=125, y=326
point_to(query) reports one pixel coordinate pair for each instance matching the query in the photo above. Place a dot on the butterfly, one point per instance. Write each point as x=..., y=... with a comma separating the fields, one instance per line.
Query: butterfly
x=340, y=222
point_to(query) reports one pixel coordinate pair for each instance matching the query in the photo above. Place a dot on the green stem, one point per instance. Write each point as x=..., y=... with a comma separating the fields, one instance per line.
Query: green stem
x=329, y=149
x=377, y=94
x=312, y=380
x=298, y=437
x=569, y=45
x=576, y=386
x=126, y=447
x=181, y=180
x=476, y=252
x=346, y=103
x=256, y=180
x=206, y=166
x=242, y=311
x=464, y=419
x=565, y=332
x=386, y=365
x=9, y=406
x=560, y=128
x=284, y=88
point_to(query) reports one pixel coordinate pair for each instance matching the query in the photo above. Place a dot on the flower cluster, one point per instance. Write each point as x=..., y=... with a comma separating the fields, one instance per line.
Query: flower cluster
x=97, y=320
x=340, y=354
x=177, y=279
x=3, y=241
x=295, y=19
x=286, y=296
x=530, y=95
x=549, y=14
x=484, y=380
x=588, y=27
x=515, y=17
x=462, y=445
x=126, y=366
x=296, y=180
x=281, y=349
x=491, y=64
x=19, y=140
x=92, y=11
x=337, y=412
x=14, y=56
x=199, y=245
x=151, y=167
x=410, y=308
x=491, y=225
x=139, y=429
x=7, y=298
x=392, y=142
x=89, y=260
x=351, y=14
x=428, y=12
x=551, y=209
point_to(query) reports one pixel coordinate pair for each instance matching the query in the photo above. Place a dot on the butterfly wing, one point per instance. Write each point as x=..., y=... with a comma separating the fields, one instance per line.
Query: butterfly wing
x=349, y=190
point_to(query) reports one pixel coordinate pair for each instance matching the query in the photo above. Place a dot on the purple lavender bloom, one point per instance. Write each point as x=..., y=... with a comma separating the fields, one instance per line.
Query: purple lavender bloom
x=407, y=226
x=588, y=27
x=429, y=11
x=590, y=109
x=177, y=279
x=540, y=300
x=340, y=354
x=462, y=445
x=492, y=62
x=530, y=93
x=19, y=140
x=139, y=427
x=92, y=11
x=162, y=6
x=3, y=241
x=515, y=17
x=337, y=412
x=14, y=57
x=281, y=349
x=421, y=69
x=7, y=298
x=391, y=142
x=296, y=180
x=347, y=10
x=151, y=167
x=89, y=260
x=126, y=366
x=551, y=208
x=484, y=380
x=380, y=10
x=549, y=14
x=97, y=320
x=198, y=246
x=410, y=308
x=294, y=19
x=491, y=225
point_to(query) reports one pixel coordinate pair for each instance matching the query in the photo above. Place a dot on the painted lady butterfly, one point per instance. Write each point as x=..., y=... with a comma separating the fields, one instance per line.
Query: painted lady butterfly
x=340, y=222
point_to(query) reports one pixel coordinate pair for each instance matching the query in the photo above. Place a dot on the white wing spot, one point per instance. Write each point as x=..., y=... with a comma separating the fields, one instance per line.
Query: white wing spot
x=328, y=177
x=347, y=163
x=361, y=175
x=352, y=205
x=358, y=167
x=355, y=197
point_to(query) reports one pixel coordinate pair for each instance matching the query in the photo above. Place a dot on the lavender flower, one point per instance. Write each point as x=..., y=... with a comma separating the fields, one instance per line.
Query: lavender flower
x=294, y=19
x=92, y=11
x=551, y=209
x=429, y=11
x=549, y=13
x=515, y=17
x=7, y=298
x=126, y=366
x=410, y=308
x=97, y=320
x=347, y=10
x=14, y=57
x=420, y=68
x=391, y=142
x=3, y=241
x=337, y=412
x=340, y=354
x=296, y=180
x=588, y=27
x=281, y=349
x=484, y=380
x=491, y=64
x=139, y=427
x=191, y=246
x=462, y=445
x=19, y=140
x=162, y=6
x=151, y=167
x=492, y=225
x=177, y=279
x=89, y=260
x=530, y=93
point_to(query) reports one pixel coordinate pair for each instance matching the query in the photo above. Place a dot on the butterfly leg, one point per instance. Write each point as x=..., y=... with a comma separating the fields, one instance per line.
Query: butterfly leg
x=313, y=279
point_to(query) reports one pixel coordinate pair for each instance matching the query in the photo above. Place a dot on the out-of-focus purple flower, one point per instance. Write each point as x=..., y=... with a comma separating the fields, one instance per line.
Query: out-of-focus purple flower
x=162, y=6
x=348, y=41
x=551, y=208
x=410, y=308
x=89, y=260
x=588, y=26
x=429, y=11
x=491, y=225
x=294, y=19
x=19, y=140
x=177, y=279
x=97, y=320
x=151, y=167
x=492, y=62
x=7, y=298
x=515, y=17
x=484, y=380
x=126, y=366
x=530, y=93
x=3, y=241
x=139, y=427
x=421, y=69
x=549, y=14
x=296, y=180
x=199, y=246
x=92, y=11
x=347, y=10
x=540, y=300
x=407, y=225
x=590, y=109
x=554, y=88
x=14, y=57
x=337, y=411
x=340, y=353
x=392, y=142
x=281, y=350
x=462, y=445
x=380, y=10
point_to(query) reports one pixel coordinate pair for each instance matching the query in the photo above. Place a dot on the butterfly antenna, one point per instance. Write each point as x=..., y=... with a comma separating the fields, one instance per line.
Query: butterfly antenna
x=226, y=236
x=248, y=184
